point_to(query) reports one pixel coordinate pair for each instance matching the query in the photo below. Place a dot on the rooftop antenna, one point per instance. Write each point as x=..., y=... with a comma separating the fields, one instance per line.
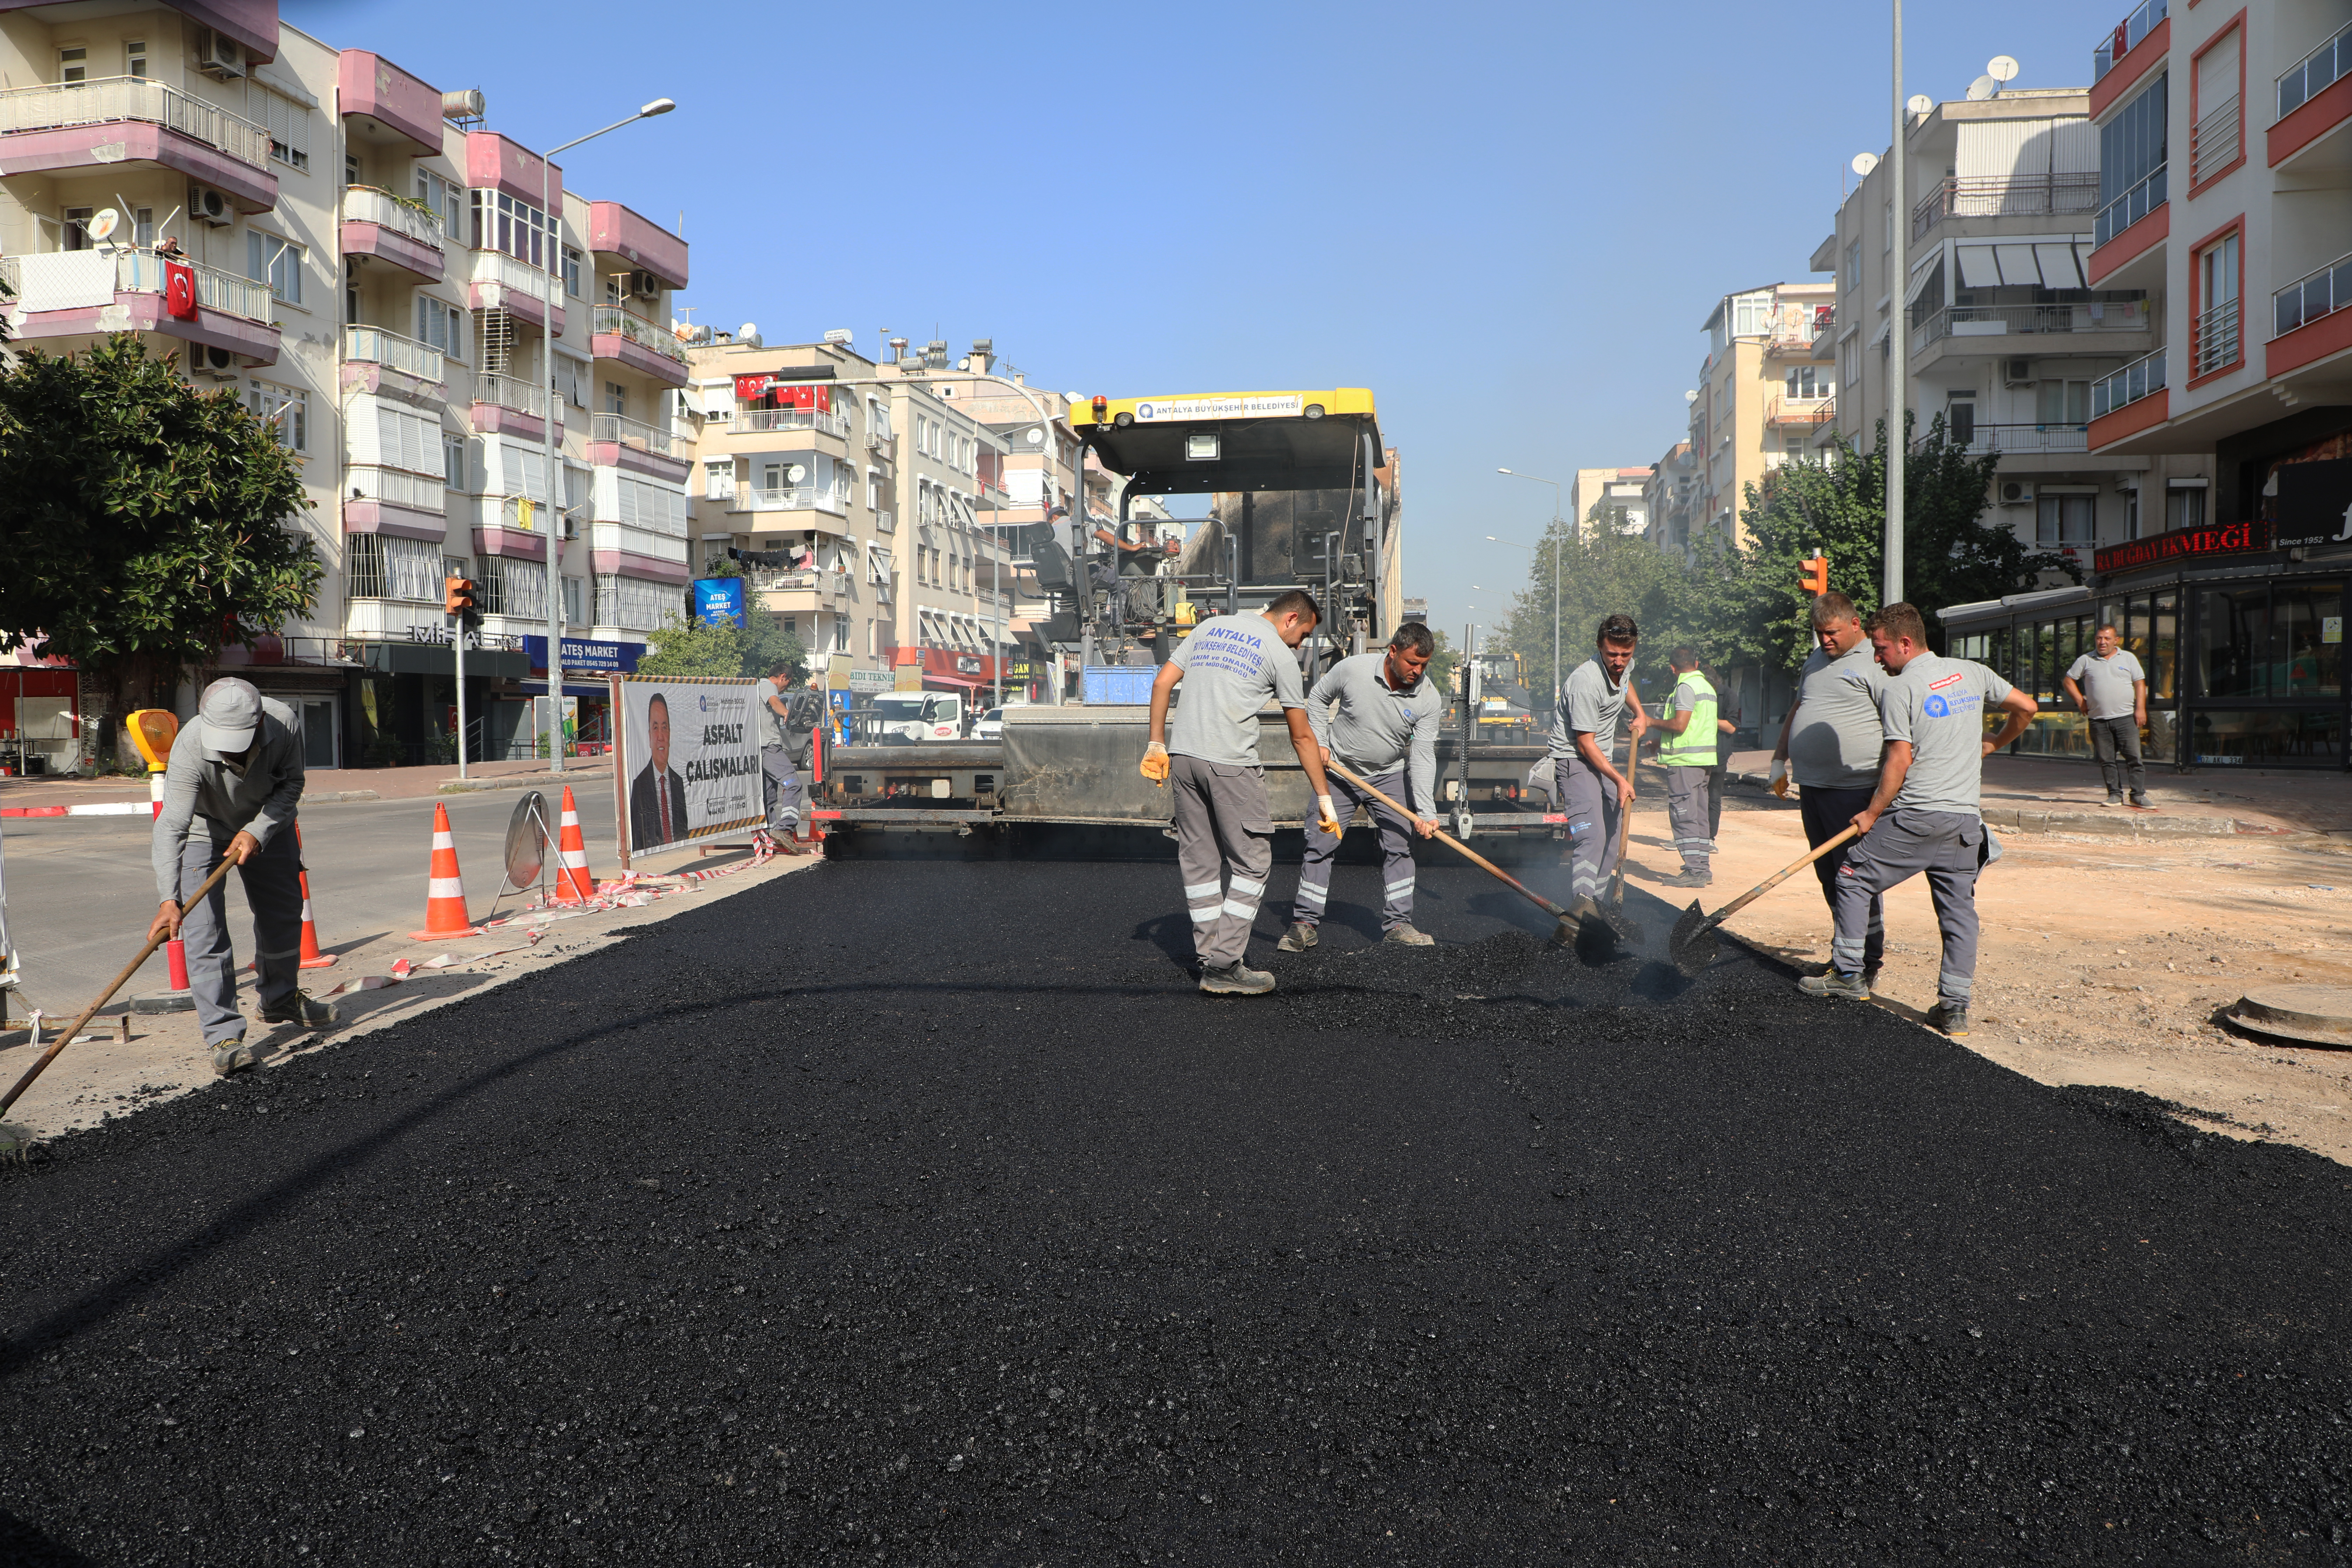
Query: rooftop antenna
x=1983, y=88
x=1919, y=103
x=2002, y=68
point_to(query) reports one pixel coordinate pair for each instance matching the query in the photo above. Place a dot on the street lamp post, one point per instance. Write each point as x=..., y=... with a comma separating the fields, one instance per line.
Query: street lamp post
x=1898, y=343
x=554, y=242
x=1555, y=567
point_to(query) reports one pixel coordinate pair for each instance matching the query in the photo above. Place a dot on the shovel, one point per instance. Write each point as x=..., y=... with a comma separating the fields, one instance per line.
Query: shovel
x=1563, y=933
x=1693, y=943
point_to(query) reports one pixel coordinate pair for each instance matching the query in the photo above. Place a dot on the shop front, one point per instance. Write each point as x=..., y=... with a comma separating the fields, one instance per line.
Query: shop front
x=2240, y=635
x=40, y=716
x=587, y=713
x=403, y=706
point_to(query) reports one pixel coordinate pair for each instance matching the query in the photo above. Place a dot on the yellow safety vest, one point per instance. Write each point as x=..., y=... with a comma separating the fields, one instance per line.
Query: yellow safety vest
x=1694, y=747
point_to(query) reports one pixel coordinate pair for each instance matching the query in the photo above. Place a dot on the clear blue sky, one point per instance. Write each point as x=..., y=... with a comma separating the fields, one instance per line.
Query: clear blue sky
x=1508, y=221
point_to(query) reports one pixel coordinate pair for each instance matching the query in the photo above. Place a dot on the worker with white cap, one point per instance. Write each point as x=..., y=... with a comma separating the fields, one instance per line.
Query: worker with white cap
x=230, y=790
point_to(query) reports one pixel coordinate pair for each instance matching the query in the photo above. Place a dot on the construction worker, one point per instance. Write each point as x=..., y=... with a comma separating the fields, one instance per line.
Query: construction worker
x=780, y=780
x=1585, y=780
x=1225, y=835
x=2117, y=705
x=1830, y=744
x=1924, y=814
x=1688, y=734
x=1385, y=731
x=230, y=789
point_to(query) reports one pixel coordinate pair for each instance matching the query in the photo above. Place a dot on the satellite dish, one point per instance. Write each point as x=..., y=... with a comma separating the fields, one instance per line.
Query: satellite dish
x=795, y=473
x=1984, y=86
x=1864, y=163
x=1036, y=435
x=526, y=841
x=2001, y=67
x=104, y=223
x=1919, y=103
x=749, y=329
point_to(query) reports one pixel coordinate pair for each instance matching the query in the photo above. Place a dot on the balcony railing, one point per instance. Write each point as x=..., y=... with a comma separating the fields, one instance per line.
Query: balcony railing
x=498, y=267
x=2127, y=33
x=109, y=99
x=2323, y=293
x=2128, y=208
x=507, y=392
x=1806, y=411
x=2315, y=72
x=2002, y=321
x=635, y=432
x=637, y=330
x=2129, y=385
x=2004, y=196
x=831, y=584
x=374, y=345
x=2055, y=437
x=833, y=423
x=2214, y=140
x=398, y=487
x=790, y=498
x=46, y=275
x=2213, y=338
x=368, y=204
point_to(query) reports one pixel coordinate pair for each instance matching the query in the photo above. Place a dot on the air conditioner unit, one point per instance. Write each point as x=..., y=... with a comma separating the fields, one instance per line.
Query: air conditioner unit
x=209, y=206
x=219, y=55
x=2016, y=373
x=220, y=364
x=644, y=285
x=2016, y=492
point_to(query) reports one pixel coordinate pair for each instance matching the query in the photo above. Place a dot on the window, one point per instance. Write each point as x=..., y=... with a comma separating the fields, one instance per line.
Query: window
x=719, y=479
x=453, y=462
x=1960, y=418
x=517, y=229
x=135, y=57
x=441, y=325
x=1751, y=314
x=575, y=602
x=508, y=586
x=617, y=398
x=77, y=228
x=2213, y=335
x=276, y=262
x=351, y=291
x=572, y=270
x=2217, y=133
x=2183, y=509
x=442, y=196
x=872, y=490
x=382, y=566
x=2061, y=402
x=142, y=226
x=635, y=604
x=2064, y=520
x=2269, y=641
x=285, y=409
x=2132, y=150
x=1853, y=278
x=1805, y=384
x=287, y=122
x=73, y=65
x=2131, y=520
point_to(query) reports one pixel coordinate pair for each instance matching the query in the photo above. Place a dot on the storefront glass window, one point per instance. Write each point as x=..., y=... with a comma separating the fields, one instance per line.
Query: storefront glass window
x=2253, y=737
x=2161, y=685
x=2232, y=631
x=2301, y=614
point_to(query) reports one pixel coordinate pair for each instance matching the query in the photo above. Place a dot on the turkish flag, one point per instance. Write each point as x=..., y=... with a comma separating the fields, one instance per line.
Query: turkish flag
x=180, y=290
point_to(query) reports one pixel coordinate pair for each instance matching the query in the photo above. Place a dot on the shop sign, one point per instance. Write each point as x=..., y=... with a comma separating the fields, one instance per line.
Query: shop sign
x=2226, y=539
x=581, y=657
x=441, y=636
x=872, y=680
x=719, y=601
x=967, y=665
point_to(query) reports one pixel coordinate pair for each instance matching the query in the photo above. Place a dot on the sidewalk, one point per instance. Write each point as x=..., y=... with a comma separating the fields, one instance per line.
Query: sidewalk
x=2055, y=796
x=324, y=787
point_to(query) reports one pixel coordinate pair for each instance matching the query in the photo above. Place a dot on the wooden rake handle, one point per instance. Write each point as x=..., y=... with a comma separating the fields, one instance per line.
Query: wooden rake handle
x=1453, y=843
x=130, y=969
x=1777, y=878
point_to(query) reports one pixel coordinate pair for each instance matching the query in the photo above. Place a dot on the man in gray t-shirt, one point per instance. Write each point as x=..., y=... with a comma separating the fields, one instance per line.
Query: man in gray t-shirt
x=1591, y=790
x=1831, y=742
x=1232, y=665
x=1923, y=816
x=779, y=779
x=2111, y=687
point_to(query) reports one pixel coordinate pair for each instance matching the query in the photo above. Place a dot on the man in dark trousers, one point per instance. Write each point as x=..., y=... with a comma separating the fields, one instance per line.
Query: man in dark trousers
x=782, y=780
x=1689, y=733
x=1585, y=779
x=2109, y=685
x=658, y=794
x=1225, y=834
x=1830, y=744
x=230, y=789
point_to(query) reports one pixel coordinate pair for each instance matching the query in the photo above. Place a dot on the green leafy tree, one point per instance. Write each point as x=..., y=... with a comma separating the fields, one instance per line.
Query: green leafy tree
x=144, y=524
x=1444, y=663
x=686, y=648
x=1603, y=571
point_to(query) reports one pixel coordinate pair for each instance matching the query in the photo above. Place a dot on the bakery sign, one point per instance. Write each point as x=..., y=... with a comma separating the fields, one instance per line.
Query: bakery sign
x=2183, y=544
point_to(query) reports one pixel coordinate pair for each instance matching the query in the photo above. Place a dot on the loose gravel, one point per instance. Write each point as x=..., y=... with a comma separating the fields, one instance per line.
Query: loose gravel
x=915, y=1213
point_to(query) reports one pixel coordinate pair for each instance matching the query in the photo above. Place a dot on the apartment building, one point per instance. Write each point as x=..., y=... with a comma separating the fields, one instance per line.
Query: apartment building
x=1670, y=499
x=954, y=628
x=411, y=297
x=1622, y=493
x=1761, y=398
x=2008, y=333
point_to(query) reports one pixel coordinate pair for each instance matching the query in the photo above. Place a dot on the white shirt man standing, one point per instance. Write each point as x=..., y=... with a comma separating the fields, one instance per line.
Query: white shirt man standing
x=2112, y=688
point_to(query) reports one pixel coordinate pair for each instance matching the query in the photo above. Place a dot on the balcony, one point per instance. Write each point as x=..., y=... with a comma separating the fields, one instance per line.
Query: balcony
x=2314, y=97
x=114, y=121
x=784, y=591
x=504, y=404
x=1804, y=413
x=756, y=421
x=2116, y=48
x=377, y=361
x=2213, y=342
x=638, y=343
x=394, y=502
x=2129, y=400
x=621, y=443
x=788, y=498
x=404, y=233
x=2004, y=196
x=2312, y=317
x=2026, y=439
x=368, y=87
x=2005, y=323
x=2217, y=143
x=647, y=554
x=499, y=282
x=644, y=245
x=2128, y=208
x=74, y=294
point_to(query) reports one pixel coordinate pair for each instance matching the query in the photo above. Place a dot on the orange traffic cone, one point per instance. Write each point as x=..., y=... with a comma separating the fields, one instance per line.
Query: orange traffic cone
x=445, y=894
x=311, y=957
x=573, y=884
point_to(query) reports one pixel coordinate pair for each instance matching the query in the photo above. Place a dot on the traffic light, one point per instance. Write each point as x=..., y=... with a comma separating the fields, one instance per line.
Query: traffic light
x=1815, y=576
x=457, y=599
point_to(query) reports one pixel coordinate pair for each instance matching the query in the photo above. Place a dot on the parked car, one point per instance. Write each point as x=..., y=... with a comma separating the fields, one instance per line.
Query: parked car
x=911, y=718
x=989, y=726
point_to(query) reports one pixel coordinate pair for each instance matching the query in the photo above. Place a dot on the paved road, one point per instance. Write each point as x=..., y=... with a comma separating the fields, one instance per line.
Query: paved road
x=82, y=890
x=921, y=1213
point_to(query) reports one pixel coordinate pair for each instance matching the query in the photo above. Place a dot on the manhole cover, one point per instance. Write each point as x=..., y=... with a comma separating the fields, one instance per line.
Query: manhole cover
x=2320, y=1014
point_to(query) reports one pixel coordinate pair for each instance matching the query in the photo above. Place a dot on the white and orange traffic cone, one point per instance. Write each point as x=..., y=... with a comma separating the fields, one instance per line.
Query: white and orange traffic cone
x=573, y=884
x=312, y=958
x=444, y=893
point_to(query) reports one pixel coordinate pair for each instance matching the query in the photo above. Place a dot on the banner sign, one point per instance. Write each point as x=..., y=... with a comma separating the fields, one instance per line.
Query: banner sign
x=686, y=764
x=581, y=657
x=719, y=601
x=1160, y=408
x=2224, y=539
x=788, y=395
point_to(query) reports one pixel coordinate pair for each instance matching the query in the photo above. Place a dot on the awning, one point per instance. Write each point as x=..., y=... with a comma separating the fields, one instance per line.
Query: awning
x=2059, y=267
x=539, y=688
x=1926, y=273
x=1978, y=269
x=960, y=682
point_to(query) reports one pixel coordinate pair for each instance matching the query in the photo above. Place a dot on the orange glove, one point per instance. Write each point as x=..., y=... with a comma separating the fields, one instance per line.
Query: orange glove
x=1779, y=786
x=1329, y=816
x=1155, y=763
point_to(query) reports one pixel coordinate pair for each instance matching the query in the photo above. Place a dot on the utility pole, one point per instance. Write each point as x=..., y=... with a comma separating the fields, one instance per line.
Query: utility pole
x=1898, y=445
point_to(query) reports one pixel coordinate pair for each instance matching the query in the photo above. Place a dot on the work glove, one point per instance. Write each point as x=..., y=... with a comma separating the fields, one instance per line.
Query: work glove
x=1155, y=763
x=1330, y=818
x=1781, y=777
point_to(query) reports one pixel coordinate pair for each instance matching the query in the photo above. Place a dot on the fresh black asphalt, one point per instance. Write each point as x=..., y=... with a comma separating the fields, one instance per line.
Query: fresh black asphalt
x=917, y=1212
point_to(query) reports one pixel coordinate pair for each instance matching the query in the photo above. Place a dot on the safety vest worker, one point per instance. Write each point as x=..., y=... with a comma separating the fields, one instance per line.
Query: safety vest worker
x=1686, y=750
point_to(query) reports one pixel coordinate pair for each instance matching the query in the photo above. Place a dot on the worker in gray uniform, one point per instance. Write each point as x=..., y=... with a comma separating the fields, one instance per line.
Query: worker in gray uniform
x=780, y=779
x=1586, y=782
x=1385, y=729
x=1925, y=815
x=1225, y=835
x=1830, y=745
x=230, y=789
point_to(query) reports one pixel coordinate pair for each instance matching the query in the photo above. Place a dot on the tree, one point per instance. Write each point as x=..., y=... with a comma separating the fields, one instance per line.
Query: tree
x=1444, y=663
x=144, y=525
x=686, y=648
x=1602, y=572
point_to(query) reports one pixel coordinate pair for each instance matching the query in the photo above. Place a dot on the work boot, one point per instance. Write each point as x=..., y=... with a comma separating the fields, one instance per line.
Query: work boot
x=232, y=1055
x=2139, y=802
x=789, y=844
x=1236, y=979
x=1869, y=978
x=1845, y=987
x=1298, y=938
x=300, y=1009
x=2112, y=800
x=1404, y=935
x=1952, y=1017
